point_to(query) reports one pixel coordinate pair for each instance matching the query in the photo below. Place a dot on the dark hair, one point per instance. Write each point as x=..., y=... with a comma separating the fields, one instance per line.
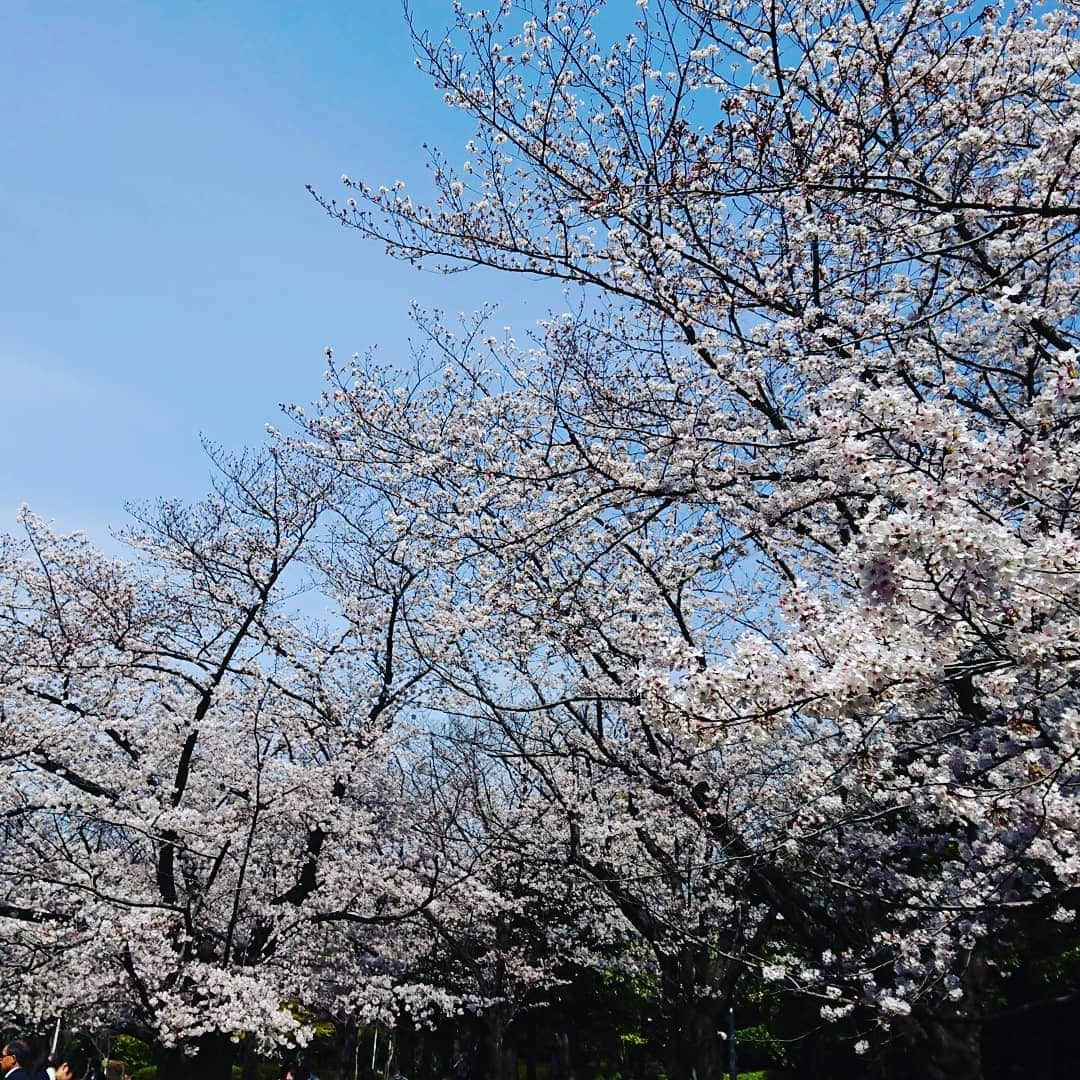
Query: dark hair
x=76, y=1062
x=20, y=1051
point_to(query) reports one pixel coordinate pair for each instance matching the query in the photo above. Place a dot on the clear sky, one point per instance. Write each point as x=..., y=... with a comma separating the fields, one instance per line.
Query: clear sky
x=162, y=270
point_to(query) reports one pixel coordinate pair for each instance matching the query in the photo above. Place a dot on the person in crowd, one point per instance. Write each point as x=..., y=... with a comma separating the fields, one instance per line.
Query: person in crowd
x=69, y=1065
x=296, y=1069
x=16, y=1060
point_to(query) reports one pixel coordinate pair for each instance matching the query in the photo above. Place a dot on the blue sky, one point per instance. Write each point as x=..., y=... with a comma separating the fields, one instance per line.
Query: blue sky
x=162, y=270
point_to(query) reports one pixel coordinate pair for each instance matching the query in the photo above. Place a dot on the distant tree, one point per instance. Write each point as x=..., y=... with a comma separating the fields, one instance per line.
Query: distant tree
x=193, y=782
x=514, y=921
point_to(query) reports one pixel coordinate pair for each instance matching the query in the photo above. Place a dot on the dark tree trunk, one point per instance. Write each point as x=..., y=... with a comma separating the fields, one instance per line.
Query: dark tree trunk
x=405, y=1048
x=348, y=1046
x=248, y=1062
x=213, y=1060
x=562, y=1067
x=953, y=1052
x=445, y=1036
x=530, y=1048
x=947, y=1044
x=425, y=1066
x=693, y=1050
x=933, y=1049
x=497, y=1053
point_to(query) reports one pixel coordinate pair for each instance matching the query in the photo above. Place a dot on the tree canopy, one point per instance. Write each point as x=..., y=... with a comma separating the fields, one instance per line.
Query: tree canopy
x=721, y=630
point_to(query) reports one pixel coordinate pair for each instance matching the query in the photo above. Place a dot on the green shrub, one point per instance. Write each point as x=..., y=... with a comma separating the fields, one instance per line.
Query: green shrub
x=134, y=1052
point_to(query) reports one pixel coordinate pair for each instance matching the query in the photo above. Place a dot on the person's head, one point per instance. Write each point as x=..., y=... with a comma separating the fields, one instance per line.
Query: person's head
x=70, y=1066
x=16, y=1052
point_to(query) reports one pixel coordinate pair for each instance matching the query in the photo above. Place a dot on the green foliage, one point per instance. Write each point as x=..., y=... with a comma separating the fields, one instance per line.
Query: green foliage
x=134, y=1052
x=762, y=1040
x=321, y=1027
x=264, y=1070
x=620, y=1039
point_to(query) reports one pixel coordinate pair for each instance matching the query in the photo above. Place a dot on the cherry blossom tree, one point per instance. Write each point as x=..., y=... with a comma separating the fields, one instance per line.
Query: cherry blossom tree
x=194, y=777
x=655, y=894
x=513, y=920
x=753, y=577
x=794, y=480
